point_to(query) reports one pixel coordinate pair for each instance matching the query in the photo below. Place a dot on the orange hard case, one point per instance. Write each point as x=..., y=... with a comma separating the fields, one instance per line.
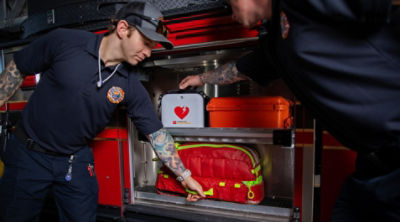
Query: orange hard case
x=250, y=112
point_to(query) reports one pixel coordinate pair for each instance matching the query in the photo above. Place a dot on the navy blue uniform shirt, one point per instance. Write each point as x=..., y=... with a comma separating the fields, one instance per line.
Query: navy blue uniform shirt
x=67, y=110
x=342, y=60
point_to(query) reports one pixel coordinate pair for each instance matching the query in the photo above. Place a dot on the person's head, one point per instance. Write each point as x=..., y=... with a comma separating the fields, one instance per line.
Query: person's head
x=250, y=12
x=138, y=26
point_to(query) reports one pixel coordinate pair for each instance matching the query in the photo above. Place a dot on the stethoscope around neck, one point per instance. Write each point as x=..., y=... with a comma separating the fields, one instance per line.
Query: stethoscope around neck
x=101, y=81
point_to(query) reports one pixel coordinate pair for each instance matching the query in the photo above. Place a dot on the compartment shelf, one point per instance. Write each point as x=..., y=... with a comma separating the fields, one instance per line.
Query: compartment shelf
x=282, y=137
x=205, y=208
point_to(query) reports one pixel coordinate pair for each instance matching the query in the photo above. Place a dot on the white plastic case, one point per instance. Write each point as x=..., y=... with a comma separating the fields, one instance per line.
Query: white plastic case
x=182, y=110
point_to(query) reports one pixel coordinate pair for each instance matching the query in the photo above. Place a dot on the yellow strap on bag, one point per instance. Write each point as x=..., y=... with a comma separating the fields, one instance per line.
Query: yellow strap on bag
x=256, y=170
x=209, y=192
x=249, y=184
x=250, y=194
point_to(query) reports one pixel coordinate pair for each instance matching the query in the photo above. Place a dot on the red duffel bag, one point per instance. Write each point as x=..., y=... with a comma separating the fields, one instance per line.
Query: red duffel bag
x=225, y=171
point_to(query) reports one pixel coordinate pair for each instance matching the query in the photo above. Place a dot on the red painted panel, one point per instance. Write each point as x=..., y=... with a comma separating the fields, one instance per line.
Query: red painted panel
x=29, y=81
x=113, y=133
x=304, y=137
x=207, y=30
x=204, y=28
x=101, y=32
x=14, y=106
x=337, y=165
x=329, y=140
x=108, y=171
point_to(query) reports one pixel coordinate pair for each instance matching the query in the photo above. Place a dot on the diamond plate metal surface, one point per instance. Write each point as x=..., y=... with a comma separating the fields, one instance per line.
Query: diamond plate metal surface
x=165, y=5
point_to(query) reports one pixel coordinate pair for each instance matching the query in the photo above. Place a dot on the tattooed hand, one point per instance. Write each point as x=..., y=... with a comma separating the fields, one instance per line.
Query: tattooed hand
x=163, y=145
x=193, y=80
x=10, y=80
x=193, y=185
x=225, y=74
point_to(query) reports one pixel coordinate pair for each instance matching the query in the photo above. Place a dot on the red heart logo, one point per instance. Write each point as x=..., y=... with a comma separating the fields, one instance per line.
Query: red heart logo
x=181, y=111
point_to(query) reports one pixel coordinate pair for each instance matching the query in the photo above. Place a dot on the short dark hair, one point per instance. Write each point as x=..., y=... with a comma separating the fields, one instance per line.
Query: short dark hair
x=112, y=26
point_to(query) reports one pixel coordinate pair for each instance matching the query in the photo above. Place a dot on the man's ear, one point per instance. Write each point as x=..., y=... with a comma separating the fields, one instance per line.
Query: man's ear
x=122, y=29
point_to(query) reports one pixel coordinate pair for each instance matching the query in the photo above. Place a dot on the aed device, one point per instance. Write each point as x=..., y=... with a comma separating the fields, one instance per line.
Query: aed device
x=182, y=110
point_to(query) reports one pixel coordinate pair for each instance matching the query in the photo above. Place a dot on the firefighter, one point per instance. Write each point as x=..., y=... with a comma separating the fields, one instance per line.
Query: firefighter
x=84, y=78
x=342, y=60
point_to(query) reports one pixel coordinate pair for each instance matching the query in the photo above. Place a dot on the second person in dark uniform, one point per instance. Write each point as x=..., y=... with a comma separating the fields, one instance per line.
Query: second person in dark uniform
x=342, y=60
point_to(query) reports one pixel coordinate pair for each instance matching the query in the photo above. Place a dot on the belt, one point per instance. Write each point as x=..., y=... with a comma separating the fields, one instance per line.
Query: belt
x=21, y=134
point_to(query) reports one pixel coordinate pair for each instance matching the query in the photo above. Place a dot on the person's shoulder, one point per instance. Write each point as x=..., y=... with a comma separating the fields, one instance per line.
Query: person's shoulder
x=63, y=38
x=71, y=34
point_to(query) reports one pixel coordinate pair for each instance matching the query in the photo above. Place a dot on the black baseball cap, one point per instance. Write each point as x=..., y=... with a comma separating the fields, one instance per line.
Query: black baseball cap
x=147, y=19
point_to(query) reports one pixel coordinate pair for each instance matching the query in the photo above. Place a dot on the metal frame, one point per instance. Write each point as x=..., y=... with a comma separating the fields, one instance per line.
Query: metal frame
x=2, y=60
x=14, y=15
x=262, y=139
x=144, y=202
x=228, y=135
x=131, y=165
x=308, y=183
x=310, y=180
x=217, y=208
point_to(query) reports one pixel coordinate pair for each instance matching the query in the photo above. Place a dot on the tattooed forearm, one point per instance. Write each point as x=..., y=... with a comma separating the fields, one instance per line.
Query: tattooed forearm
x=225, y=74
x=163, y=145
x=10, y=80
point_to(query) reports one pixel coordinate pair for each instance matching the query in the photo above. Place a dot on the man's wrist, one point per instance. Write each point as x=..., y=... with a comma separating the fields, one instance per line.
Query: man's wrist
x=184, y=175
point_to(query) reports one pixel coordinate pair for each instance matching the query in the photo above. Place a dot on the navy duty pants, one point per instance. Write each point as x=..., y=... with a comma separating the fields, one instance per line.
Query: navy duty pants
x=374, y=199
x=29, y=175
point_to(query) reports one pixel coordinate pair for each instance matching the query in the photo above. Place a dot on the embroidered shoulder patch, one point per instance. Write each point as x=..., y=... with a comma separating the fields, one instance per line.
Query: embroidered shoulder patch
x=115, y=94
x=285, y=26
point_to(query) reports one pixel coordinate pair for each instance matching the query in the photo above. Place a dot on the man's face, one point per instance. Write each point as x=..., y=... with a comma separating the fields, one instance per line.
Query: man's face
x=250, y=12
x=136, y=47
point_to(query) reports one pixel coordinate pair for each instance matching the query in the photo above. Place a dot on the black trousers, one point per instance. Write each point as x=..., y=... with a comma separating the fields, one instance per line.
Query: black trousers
x=29, y=175
x=369, y=198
